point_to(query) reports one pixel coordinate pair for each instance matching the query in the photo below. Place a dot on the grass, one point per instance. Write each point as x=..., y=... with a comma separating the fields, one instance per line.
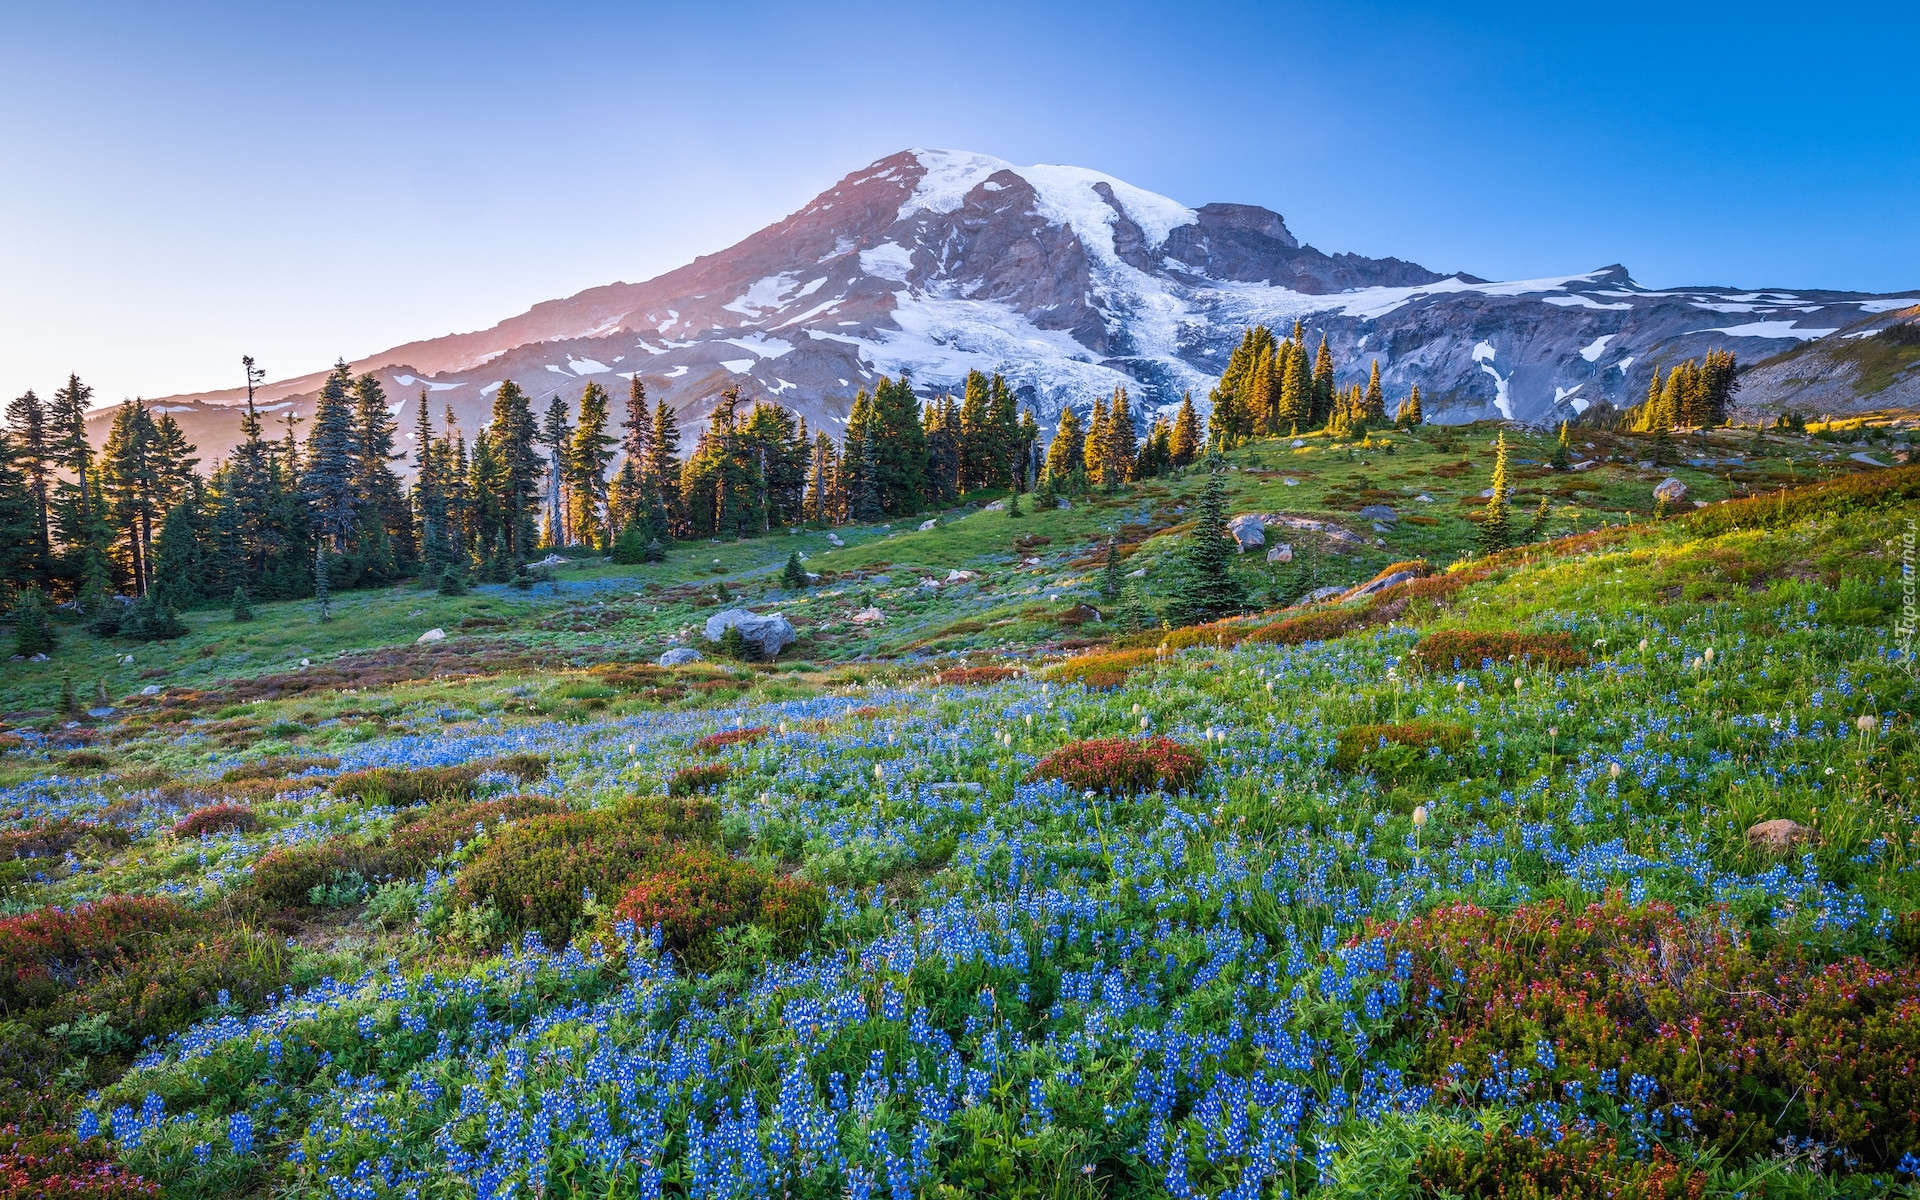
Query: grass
x=1017, y=987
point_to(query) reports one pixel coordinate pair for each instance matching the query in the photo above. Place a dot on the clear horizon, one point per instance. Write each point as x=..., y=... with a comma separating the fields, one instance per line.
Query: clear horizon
x=305, y=183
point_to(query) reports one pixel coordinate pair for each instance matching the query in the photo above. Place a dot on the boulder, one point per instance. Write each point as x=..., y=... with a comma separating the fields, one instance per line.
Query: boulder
x=869, y=616
x=1298, y=442
x=432, y=635
x=1139, y=574
x=929, y=585
x=881, y=580
x=1290, y=482
x=769, y=633
x=931, y=523
x=1671, y=490
x=1062, y=502
x=1248, y=530
x=1380, y=585
x=680, y=656
x=996, y=506
x=958, y=576
x=1318, y=594
x=833, y=539
x=1424, y=498
x=1584, y=465
x=152, y=689
x=1281, y=552
x=1379, y=512
x=1778, y=835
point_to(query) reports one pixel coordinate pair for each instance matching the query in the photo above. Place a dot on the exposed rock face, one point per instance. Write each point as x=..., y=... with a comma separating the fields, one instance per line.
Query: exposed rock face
x=1071, y=283
x=769, y=634
x=1380, y=585
x=680, y=656
x=1280, y=553
x=1671, y=490
x=1248, y=530
x=1778, y=835
x=432, y=635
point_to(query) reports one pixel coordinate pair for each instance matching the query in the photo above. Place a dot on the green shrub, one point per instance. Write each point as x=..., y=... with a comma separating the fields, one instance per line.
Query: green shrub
x=402, y=787
x=702, y=778
x=1850, y=493
x=692, y=895
x=435, y=832
x=1581, y=1165
x=1396, y=751
x=1466, y=649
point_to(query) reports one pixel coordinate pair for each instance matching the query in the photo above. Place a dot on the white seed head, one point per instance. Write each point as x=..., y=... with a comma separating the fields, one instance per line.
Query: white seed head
x=1419, y=816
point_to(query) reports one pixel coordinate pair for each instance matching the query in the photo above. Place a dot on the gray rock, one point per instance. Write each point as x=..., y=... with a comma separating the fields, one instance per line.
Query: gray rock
x=1248, y=530
x=1866, y=458
x=1671, y=490
x=679, y=656
x=39, y=658
x=1291, y=482
x=432, y=635
x=1281, y=552
x=881, y=580
x=100, y=712
x=152, y=689
x=1379, y=512
x=958, y=576
x=1381, y=585
x=929, y=585
x=1318, y=594
x=1139, y=574
x=1584, y=465
x=931, y=523
x=1062, y=502
x=834, y=539
x=769, y=633
x=996, y=506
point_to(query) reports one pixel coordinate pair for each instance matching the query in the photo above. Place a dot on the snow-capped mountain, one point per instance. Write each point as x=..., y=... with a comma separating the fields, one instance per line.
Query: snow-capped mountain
x=1070, y=283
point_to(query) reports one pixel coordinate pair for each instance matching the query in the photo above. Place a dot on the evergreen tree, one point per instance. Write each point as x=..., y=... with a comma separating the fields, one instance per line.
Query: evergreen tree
x=1116, y=463
x=1026, y=437
x=515, y=433
x=451, y=584
x=1134, y=615
x=322, y=591
x=69, y=703
x=332, y=454
x=826, y=498
x=22, y=519
x=863, y=490
x=242, y=607
x=150, y=620
x=1066, y=451
x=1373, y=405
x=1205, y=588
x=794, y=577
x=1297, y=404
x=556, y=433
x=1009, y=442
x=1323, y=386
x=1561, y=458
x=1014, y=511
x=386, y=520
x=1186, y=433
x=977, y=438
x=429, y=497
x=654, y=552
x=130, y=488
x=1110, y=578
x=182, y=565
x=1093, y=450
x=32, y=628
x=900, y=446
x=629, y=548
x=1496, y=532
x=1410, y=414
x=586, y=465
x=79, y=524
x=30, y=434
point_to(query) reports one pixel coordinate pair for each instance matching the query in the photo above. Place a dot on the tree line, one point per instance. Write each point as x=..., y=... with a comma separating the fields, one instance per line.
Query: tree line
x=1271, y=389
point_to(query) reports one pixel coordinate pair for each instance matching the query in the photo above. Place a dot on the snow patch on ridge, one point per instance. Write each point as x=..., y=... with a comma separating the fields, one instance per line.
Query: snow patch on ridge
x=888, y=260
x=1597, y=347
x=1771, y=329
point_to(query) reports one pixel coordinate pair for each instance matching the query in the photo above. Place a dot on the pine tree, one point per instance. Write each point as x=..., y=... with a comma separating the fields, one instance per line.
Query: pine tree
x=1065, y=452
x=1410, y=415
x=27, y=425
x=21, y=519
x=1110, y=579
x=1093, y=451
x=1121, y=442
x=1496, y=532
x=794, y=577
x=322, y=588
x=515, y=432
x=629, y=548
x=1186, y=433
x=586, y=468
x=79, y=524
x=1323, y=387
x=242, y=607
x=1014, y=511
x=663, y=466
x=182, y=565
x=385, y=519
x=1373, y=405
x=1008, y=440
x=451, y=584
x=1026, y=437
x=1296, y=396
x=69, y=703
x=32, y=629
x=1206, y=588
x=863, y=492
x=1561, y=458
x=331, y=454
x=1134, y=615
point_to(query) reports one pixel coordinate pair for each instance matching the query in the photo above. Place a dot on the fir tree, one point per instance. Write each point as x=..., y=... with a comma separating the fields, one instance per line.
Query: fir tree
x=1495, y=532
x=331, y=454
x=451, y=584
x=1064, y=453
x=794, y=577
x=69, y=703
x=1026, y=437
x=1561, y=458
x=242, y=608
x=129, y=491
x=663, y=465
x=150, y=620
x=1014, y=511
x=1373, y=404
x=182, y=566
x=630, y=547
x=586, y=466
x=654, y=552
x=78, y=522
x=515, y=432
x=1410, y=415
x=21, y=519
x=1206, y=588
x=863, y=493
x=1186, y=433
x=1134, y=615
x=27, y=425
x=556, y=433
x=322, y=590
x=1323, y=386
x=385, y=519
x=32, y=628
x=1110, y=578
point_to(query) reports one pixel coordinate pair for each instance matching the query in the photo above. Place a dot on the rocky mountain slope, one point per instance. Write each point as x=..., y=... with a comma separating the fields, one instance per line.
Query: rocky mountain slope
x=1070, y=283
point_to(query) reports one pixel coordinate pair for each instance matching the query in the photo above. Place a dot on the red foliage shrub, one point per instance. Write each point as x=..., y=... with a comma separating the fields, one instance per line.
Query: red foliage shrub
x=49, y=1165
x=535, y=872
x=702, y=778
x=1582, y=1166
x=792, y=910
x=715, y=742
x=1753, y=1045
x=1122, y=766
x=1469, y=648
x=217, y=817
x=50, y=839
x=436, y=831
x=692, y=895
x=45, y=953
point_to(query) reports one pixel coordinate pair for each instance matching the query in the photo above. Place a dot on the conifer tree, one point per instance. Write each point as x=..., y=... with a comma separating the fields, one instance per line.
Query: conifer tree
x=1186, y=433
x=130, y=490
x=1410, y=415
x=331, y=454
x=1121, y=442
x=79, y=524
x=1561, y=458
x=1323, y=387
x=21, y=519
x=1066, y=451
x=1134, y=615
x=429, y=497
x=900, y=446
x=515, y=432
x=1496, y=531
x=976, y=439
x=29, y=431
x=387, y=522
x=322, y=590
x=586, y=466
x=1008, y=440
x=863, y=490
x=1110, y=578
x=1093, y=451
x=794, y=576
x=663, y=465
x=1026, y=438
x=32, y=629
x=242, y=607
x=1205, y=588
x=1296, y=396
x=1374, y=404
x=556, y=433
x=182, y=566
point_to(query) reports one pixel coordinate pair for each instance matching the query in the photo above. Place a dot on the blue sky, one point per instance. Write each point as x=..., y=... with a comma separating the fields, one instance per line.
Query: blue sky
x=186, y=183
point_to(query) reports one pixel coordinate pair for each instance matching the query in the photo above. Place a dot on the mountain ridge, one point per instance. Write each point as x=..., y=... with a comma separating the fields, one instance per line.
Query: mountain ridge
x=1070, y=282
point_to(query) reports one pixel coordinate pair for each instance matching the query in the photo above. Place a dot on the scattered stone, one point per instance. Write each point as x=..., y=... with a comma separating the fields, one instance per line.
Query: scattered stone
x=834, y=539
x=1062, y=502
x=1299, y=442
x=1280, y=552
x=1424, y=498
x=869, y=616
x=1248, y=530
x=1379, y=512
x=1864, y=457
x=1645, y=464
x=1671, y=490
x=152, y=689
x=996, y=506
x=432, y=635
x=38, y=658
x=1778, y=835
x=554, y=560
x=306, y=662
x=100, y=712
x=1487, y=495
x=1584, y=465
x=1381, y=585
x=929, y=585
x=881, y=580
x=680, y=656
x=1029, y=562
x=1291, y=482
x=128, y=660
x=1318, y=594
x=959, y=576
x=931, y=523
x=1139, y=574
x=769, y=633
